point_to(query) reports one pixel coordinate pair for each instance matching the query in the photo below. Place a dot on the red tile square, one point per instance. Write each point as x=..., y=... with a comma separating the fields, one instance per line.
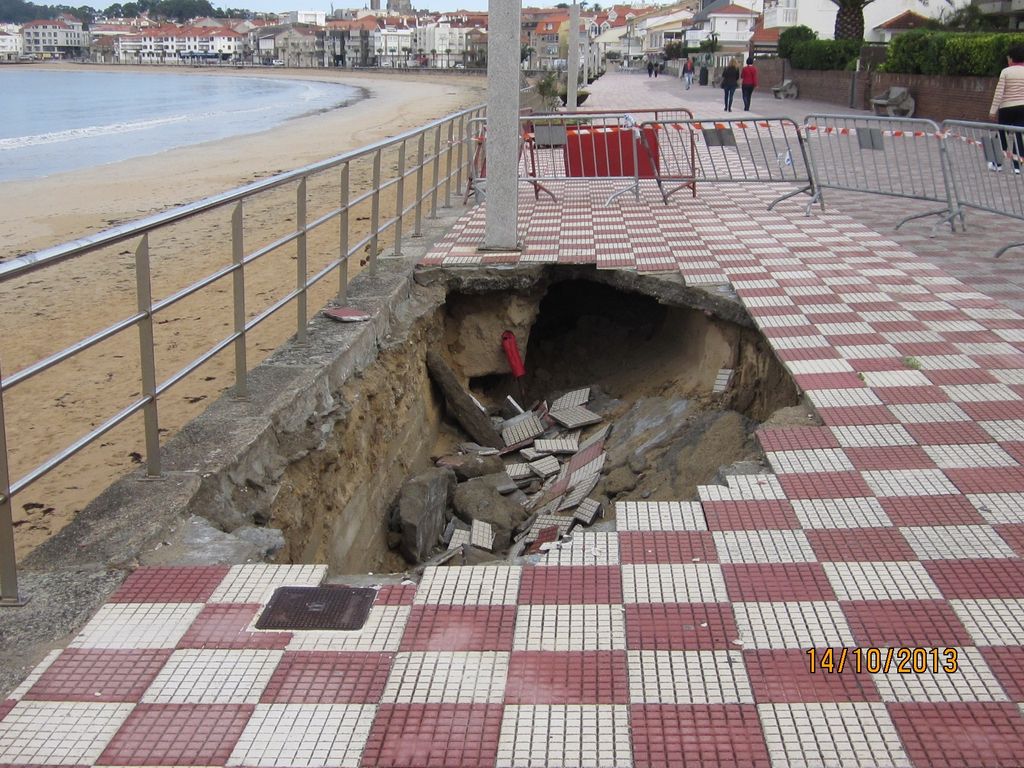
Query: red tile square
x=988, y=479
x=324, y=677
x=434, y=736
x=667, y=547
x=170, y=585
x=811, y=381
x=776, y=582
x=994, y=411
x=99, y=675
x=806, y=353
x=548, y=585
x=930, y=510
x=697, y=736
x=926, y=348
x=1007, y=664
x=868, y=544
x=785, y=677
x=1013, y=535
x=178, y=734
x=460, y=628
x=905, y=623
x=910, y=395
x=890, y=457
x=6, y=706
x=395, y=594
x=594, y=677
x=750, y=515
x=960, y=376
x=865, y=364
x=680, y=627
x=979, y=579
x=948, y=433
x=225, y=625
x=961, y=735
x=795, y=438
x=856, y=416
x=824, y=485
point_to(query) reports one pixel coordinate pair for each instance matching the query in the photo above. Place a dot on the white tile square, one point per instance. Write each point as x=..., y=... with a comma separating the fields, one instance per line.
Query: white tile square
x=565, y=735
x=688, y=677
x=972, y=681
x=873, y=436
x=999, y=508
x=660, y=516
x=969, y=455
x=992, y=622
x=674, y=583
x=569, y=628
x=304, y=736
x=443, y=677
x=585, y=548
x=213, y=677
x=256, y=583
x=892, y=580
x=59, y=732
x=909, y=482
x=1005, y=430
x=137, y=625
x=793, y=624
x=860, y=512
x=764, y=546
x=929, y=413
x=382, y=631
x=816, y=735
x=955, y=542
x=979, y=393
x=469, y=585
x=817, y=460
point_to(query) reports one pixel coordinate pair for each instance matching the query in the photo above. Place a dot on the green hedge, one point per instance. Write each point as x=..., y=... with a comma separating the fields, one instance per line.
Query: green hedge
x=933, y=52
x=825, y=54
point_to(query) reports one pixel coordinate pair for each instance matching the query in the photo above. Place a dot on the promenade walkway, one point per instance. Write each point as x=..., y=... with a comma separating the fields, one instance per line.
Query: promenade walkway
x=681, y=637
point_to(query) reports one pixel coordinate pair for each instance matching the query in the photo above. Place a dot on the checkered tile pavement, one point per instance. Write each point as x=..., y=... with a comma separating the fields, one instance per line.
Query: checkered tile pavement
x=682, y=637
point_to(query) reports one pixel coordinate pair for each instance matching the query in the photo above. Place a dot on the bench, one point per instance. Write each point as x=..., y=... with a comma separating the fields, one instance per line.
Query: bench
x=895, y=101
x=787, y=90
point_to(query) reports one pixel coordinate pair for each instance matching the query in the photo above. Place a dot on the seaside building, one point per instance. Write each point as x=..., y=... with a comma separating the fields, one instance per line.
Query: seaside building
x=58, y=38
x=732, y=26
x=312, y=18
x=820, y=15
x=10, y=46
x=172, y=44
x=439, y=44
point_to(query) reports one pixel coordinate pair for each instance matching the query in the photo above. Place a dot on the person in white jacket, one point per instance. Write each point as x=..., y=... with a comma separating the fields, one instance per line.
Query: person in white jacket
x=1008, y=104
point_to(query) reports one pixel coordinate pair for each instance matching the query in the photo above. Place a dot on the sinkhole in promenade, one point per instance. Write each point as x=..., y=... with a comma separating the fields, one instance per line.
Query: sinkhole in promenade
x=634, y=388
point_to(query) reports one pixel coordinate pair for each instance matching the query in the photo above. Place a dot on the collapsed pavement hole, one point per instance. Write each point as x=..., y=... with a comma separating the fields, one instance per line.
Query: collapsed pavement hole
x=651, y=366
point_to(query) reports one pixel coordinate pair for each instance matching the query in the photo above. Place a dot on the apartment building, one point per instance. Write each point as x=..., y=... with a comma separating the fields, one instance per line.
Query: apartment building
x=170, y=44
x=58, y=38
x=439, y=44
x=729, y=24
x=10, y=45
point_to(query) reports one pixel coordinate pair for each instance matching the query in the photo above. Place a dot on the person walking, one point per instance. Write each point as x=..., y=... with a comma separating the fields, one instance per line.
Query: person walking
x=730, y=79
x=650, y=69
x=748, y=82
x=1008, y=105
x=688, y=73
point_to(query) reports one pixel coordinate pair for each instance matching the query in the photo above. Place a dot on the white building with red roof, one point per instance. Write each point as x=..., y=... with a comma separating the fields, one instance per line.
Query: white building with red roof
x=54, y=38
x=171, y=44
x=10, y=46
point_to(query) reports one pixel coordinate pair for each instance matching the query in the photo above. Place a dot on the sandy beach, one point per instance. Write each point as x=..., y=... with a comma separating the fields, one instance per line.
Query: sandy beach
x=46, y=310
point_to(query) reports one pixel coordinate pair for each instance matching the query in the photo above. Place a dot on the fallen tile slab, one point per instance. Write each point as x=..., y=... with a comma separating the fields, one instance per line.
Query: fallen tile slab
x=521, y=429
x=558, y=445
x=545, y=467
x=482, y=535
x=587, y=511
x=460, y=403
x=576, y=416
x=570, y=399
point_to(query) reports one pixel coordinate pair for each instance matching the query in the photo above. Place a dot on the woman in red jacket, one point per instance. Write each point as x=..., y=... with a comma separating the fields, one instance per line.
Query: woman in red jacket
x=748, y=80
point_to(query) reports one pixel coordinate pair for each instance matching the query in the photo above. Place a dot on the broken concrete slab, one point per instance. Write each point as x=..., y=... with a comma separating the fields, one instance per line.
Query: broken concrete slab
x=587, y=511
x=422, y=504
x=460, y=403
x=468, y=465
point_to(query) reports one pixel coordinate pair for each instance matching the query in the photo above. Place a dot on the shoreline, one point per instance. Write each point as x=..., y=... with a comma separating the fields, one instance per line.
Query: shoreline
x=43, y=311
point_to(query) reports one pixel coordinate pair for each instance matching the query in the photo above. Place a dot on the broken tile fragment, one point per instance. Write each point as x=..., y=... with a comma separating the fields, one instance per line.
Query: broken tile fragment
x=459, y=537
x=482, y=535
x=521, y=428
x=576, y=416
x=587, y=511
x=559, y=445
x=545, y=467
x=722, y=381
x=570, y=399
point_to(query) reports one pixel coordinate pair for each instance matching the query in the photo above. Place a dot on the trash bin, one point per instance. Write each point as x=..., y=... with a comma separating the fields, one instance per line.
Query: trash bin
x=703, y=76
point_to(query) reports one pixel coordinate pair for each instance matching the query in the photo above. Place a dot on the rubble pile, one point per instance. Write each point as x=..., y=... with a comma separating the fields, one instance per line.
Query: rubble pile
x=516, y=498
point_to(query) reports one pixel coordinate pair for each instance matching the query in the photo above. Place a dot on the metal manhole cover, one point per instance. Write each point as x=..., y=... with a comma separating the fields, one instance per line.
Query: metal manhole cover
x=342, y=608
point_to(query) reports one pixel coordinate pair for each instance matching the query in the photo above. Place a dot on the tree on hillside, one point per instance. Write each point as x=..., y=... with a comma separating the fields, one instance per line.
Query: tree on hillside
x=850, y=19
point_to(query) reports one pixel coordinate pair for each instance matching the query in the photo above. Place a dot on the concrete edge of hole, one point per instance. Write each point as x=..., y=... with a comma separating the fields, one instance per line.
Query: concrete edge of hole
x=233, y=444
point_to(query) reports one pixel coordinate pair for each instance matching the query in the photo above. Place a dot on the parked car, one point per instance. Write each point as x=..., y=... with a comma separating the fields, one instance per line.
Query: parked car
x=277, y=63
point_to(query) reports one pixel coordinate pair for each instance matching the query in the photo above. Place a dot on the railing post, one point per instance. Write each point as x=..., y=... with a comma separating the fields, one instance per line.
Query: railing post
x=418, y=232
x=238, y=288
x=8, y=561
x=400, y=199
x=300, y=261
x=343, y=236
x=448, y=166
x=147, y=356
x=437, y=172
x=460, y=170
x=375, y=214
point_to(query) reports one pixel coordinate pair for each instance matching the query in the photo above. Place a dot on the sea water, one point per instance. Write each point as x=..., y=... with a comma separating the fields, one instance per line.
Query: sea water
x=58, y=121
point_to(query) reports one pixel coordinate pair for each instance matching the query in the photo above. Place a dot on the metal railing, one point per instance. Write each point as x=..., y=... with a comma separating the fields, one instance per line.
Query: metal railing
x=986, y=167
x=431, y=160
x=898, y=157
x=764, y=150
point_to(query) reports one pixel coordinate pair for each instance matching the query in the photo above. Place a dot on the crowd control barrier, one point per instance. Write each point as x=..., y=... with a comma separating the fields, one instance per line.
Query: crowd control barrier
x=987, y=168
x=689, y=152
x=899, y=157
